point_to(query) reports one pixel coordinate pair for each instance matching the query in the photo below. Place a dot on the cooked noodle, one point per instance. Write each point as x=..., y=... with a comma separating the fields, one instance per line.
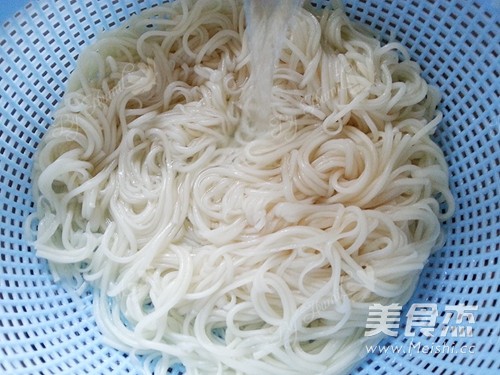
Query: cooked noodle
x=230, y=254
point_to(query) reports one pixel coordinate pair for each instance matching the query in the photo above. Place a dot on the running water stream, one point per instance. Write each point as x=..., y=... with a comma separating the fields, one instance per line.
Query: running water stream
x=267, y=25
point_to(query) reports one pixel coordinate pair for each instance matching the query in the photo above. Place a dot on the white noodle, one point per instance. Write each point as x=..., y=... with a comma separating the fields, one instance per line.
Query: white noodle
x=233, y=255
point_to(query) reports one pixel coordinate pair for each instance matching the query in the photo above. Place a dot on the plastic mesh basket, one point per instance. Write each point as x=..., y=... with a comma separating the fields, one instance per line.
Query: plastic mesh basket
x=45, y=329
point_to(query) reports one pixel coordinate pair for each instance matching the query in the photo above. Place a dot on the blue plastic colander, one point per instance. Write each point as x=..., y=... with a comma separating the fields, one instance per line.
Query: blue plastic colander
x=45, y=329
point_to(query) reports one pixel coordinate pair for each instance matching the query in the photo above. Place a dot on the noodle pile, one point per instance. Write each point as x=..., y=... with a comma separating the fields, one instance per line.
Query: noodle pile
x=227, y=251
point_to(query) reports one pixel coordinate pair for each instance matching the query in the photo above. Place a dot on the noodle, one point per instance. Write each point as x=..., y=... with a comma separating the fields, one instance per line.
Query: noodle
x=228, y=253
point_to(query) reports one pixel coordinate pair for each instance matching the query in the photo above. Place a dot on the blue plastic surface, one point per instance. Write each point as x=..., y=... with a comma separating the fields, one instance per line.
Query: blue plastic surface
x=47, y=330
x=10, y=7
